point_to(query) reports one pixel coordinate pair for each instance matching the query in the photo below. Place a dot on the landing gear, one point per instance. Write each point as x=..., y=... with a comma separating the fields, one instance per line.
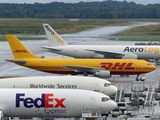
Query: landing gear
x=137, y=78
x=141, y=78
x=85, y=73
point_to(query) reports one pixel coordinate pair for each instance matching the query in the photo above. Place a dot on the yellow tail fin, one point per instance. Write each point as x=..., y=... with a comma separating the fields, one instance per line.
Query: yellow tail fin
x=18, y=49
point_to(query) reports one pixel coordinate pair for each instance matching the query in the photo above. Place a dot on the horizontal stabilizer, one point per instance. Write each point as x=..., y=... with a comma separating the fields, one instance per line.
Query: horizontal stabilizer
x=17, y=61
x=51, y=48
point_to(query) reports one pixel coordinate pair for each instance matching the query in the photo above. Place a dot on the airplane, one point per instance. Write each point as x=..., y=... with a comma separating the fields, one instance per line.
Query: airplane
x=60, y=82
x=103, y=68
x=53, y=103
x=59, y=46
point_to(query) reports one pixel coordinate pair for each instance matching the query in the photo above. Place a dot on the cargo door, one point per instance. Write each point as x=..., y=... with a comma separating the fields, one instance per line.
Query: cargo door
x=96, y=87
x=92, y=101
x=139, y=66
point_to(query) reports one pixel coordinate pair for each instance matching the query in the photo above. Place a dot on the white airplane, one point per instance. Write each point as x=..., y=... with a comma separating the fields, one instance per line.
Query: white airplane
x=53, y=103
x=58, y=45
x=60, y=82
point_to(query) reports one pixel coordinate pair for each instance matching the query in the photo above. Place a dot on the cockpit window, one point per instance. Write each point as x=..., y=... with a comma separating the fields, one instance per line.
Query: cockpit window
x=107, y=84
x=149, y=64
x=105, y=99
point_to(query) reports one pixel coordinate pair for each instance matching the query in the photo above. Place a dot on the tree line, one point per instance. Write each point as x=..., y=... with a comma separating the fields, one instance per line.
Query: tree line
x=106, y=9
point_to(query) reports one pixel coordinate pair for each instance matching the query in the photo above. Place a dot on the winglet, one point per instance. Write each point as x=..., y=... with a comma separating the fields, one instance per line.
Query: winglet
x=18, y=49
x=54, y=38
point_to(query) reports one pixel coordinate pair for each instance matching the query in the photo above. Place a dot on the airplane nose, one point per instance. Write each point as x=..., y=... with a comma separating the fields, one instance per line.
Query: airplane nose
x=113, y=90
x=154, y=67
x=112, y=106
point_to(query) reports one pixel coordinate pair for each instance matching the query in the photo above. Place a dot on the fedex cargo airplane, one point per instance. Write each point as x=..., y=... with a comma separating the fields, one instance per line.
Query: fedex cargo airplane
x=53, y=103
x=58, y=45
x=98, y=67
x=60, y=82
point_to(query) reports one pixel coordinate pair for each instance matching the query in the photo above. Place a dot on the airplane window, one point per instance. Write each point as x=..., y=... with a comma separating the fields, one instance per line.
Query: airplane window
x=149, y=64
x=106, y=84
x=104, y=99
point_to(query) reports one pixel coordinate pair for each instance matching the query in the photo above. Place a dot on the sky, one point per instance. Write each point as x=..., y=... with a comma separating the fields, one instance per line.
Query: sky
x=145, y=2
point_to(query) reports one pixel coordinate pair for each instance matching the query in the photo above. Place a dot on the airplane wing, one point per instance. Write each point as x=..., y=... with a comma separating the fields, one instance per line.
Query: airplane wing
x=108, y=54
x=51, y=48
x=83, y=68
x=17, y=61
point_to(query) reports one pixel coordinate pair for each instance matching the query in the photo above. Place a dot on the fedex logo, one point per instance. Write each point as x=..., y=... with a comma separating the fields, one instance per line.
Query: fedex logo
x=119, y=66
x=21, y=51
x=46, y=101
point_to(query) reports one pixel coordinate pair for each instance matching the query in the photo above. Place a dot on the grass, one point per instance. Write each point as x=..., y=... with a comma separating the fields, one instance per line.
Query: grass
x=136, y=39
x=27, y=26
x=62, y=26
x=150, y=30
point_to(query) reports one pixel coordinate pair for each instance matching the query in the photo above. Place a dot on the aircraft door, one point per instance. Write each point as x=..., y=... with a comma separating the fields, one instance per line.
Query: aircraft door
x=139, y=66
x=92, y=101
x=96, y=87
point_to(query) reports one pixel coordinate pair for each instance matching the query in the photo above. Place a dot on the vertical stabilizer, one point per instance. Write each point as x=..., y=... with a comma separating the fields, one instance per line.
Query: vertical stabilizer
x=18, y=49
x=54, y=38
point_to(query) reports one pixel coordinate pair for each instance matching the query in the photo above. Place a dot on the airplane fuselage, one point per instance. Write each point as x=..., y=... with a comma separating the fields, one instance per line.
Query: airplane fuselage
x=105, y=51
x=116, y=67
x=60, y=82
x=52, y=102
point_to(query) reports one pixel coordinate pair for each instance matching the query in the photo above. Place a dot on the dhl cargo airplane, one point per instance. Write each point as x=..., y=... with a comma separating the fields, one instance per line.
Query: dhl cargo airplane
x=98, y=67
x=53, y=103
x=58, y=45
x=60, y=82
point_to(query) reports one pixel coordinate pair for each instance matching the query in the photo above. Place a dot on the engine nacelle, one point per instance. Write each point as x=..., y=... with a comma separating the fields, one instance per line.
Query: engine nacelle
x=100, y=56
x=102, y=74
x=130, y=56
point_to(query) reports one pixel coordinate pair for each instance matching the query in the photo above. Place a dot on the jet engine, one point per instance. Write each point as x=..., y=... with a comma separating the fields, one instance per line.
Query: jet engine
x=102, y=74
x=130, y=56
x=100, y=56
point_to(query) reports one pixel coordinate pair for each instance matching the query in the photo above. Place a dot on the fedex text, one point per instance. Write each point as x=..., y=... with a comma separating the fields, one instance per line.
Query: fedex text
x=45, y=101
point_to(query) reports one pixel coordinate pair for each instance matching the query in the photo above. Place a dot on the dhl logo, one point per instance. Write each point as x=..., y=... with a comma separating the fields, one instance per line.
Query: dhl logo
x=119, y=66
x=21, y=51
x=58, y=39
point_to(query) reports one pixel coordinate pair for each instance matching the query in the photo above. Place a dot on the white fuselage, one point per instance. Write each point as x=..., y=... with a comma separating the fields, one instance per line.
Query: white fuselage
x=60, y=82
x=99, y=51
x=53, y=102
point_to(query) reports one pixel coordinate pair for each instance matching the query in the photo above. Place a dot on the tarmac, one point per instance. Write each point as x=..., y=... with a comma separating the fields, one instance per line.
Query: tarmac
x=8, y=69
